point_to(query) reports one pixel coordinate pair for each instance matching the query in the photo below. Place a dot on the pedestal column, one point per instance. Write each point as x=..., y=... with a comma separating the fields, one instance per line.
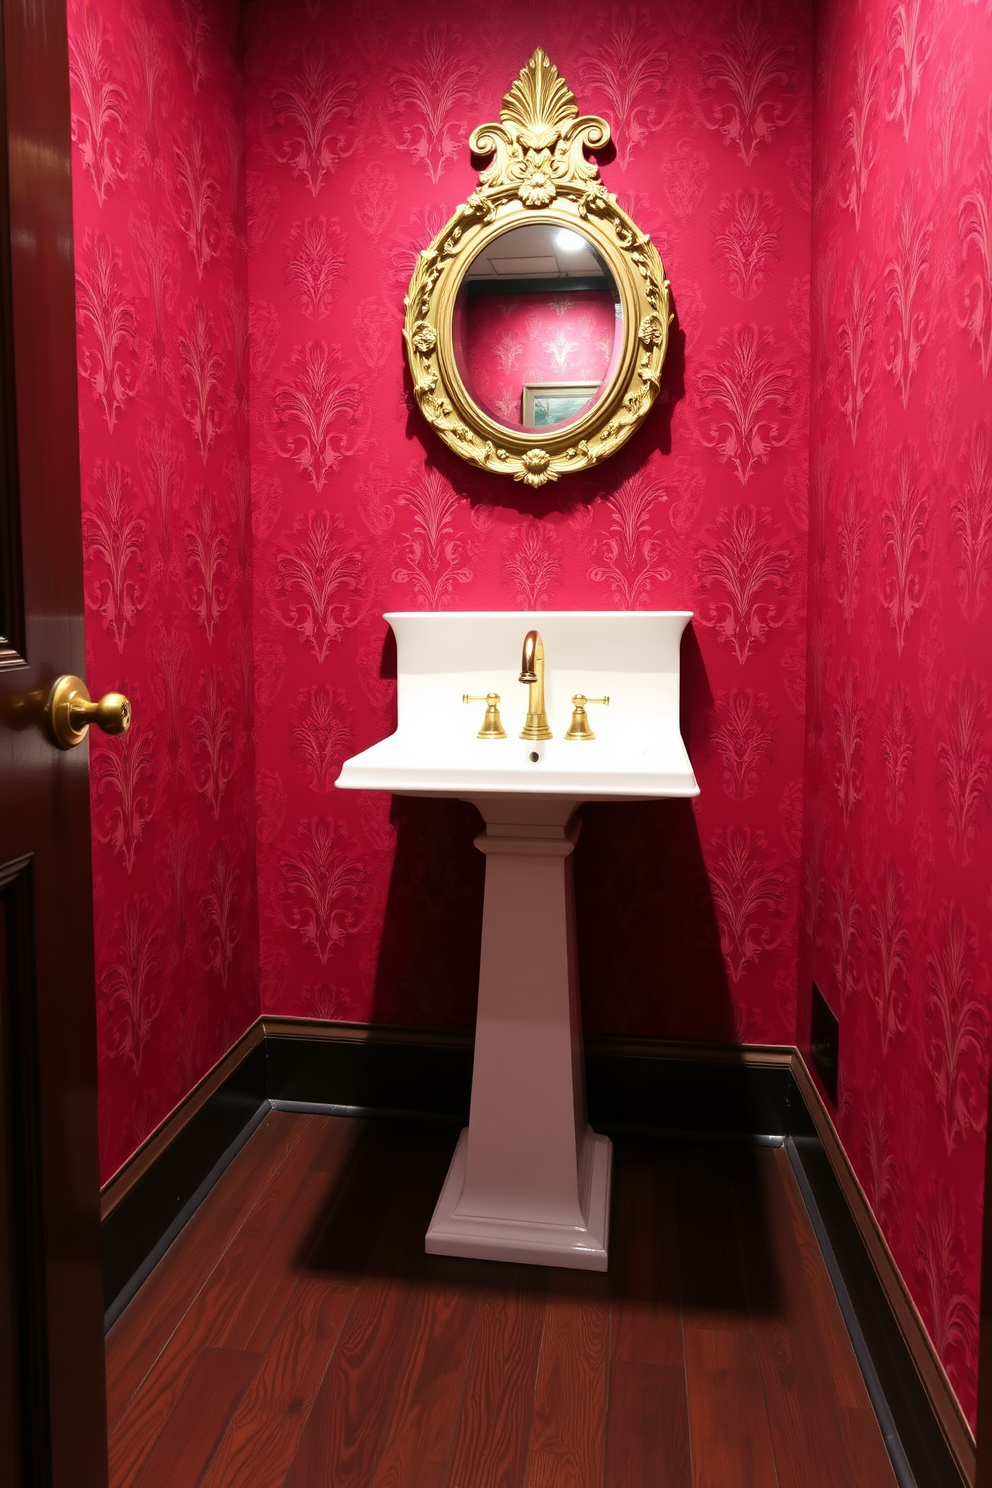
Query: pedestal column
x=530, y=1180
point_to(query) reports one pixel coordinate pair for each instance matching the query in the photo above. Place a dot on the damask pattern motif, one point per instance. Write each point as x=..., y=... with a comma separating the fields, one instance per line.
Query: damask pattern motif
x=159, y=234
x=898, y=846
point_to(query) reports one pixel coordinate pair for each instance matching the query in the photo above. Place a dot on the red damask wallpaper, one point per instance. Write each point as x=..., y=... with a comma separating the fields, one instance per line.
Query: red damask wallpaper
x=158, y=183
x=265, y=175
x=897, y=861
x=357, y=127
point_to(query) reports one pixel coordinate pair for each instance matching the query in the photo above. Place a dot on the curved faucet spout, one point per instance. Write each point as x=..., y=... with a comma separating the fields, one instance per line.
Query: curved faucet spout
x=532, y=673
x=533, y=649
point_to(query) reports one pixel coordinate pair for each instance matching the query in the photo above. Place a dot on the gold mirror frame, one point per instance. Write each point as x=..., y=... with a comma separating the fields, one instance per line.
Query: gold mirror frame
x=539, y=174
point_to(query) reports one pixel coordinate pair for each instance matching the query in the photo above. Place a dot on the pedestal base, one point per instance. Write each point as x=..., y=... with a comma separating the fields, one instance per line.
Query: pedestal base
x=529, y=1239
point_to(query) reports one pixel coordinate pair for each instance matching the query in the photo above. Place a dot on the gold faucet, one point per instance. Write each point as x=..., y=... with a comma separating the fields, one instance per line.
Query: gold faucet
x=492, y=724
x=532, y=672
x=580, y=728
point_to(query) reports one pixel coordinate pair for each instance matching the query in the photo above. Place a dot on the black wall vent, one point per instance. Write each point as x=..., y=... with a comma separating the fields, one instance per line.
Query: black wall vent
x=824, y=1038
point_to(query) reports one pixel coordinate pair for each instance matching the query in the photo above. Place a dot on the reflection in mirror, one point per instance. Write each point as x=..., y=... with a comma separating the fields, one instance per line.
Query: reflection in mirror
x=536, y=327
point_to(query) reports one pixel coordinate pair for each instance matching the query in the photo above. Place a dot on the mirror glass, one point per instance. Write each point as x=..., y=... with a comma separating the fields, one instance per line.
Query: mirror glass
x=537, y=326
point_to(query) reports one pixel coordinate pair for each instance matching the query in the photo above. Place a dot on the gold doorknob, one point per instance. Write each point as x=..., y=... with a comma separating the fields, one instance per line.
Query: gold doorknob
x=71, y=710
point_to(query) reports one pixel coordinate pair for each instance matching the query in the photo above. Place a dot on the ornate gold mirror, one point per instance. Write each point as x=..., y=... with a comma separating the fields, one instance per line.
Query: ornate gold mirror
x=537, y=321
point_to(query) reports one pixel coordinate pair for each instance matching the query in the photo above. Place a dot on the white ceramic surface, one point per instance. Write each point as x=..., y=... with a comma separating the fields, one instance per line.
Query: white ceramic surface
x=633, y=657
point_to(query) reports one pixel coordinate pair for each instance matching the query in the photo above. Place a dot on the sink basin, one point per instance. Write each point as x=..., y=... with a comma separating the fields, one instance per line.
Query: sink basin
x=631, y=657
x=530, y=1180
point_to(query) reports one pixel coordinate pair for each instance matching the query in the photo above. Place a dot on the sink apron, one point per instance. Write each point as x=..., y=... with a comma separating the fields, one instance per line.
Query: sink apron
x=530, y=1180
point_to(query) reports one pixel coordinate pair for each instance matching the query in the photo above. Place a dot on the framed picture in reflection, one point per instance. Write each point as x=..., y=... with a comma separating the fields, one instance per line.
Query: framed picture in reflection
x=546, y=403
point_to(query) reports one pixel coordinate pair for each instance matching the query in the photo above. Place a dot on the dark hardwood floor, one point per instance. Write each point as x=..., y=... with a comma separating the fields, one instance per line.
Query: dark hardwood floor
x=296, y=1334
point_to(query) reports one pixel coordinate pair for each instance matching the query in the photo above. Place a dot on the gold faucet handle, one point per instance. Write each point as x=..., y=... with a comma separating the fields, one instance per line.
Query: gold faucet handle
x=492, y=724
x=579, y=726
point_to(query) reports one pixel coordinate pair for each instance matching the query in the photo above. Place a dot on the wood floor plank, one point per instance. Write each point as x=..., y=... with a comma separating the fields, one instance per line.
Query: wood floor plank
x=346, y=1195
x=807, y=1381
x=198, y=1419
x=647, y=1442
x=801, y=1395
x=146, y=1325
x=417, y=1439
x=225, y=1310
x=805, y=1429
x=264, y=1433
x=645, y=1279
x=341, y=1440
x=568, y=1431
x=866, y=1450
x=362, y=1202
x=494, y=1422
x=318, y=1347
x=859, y=1428
x=714, y=1290
x=228, y=1296
x=729, y=1431
x=835, y=1341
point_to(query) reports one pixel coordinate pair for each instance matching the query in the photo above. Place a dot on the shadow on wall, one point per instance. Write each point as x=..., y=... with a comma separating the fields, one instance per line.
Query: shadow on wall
x=428, y=966
x=427, y=971
x=649, y=942
x=649, y=946
x=649, y=950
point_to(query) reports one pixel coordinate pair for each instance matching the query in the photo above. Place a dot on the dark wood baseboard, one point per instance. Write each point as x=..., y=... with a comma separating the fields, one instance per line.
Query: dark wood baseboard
x=707, y=1088
x=690, y=1089
x=687, y=1090
x=154, y=1147
x=143, y=1201
x=396, y=1071
x=926, y=1414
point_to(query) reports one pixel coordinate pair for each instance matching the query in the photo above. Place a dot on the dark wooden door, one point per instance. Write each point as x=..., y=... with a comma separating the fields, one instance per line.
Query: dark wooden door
x=52, y=1391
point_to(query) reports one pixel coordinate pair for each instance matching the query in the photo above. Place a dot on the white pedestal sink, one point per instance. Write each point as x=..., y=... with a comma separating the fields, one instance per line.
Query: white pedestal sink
x=530, y=1180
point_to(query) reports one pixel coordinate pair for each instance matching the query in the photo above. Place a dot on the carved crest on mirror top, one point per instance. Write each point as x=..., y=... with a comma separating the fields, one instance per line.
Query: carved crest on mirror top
x=539, y=173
